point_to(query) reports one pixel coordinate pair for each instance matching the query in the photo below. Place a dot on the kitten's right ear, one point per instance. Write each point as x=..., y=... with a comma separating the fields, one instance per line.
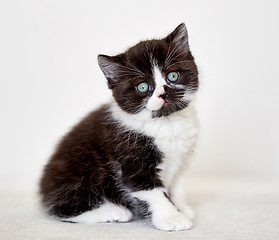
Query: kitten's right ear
x=179, y=36
x=109, y=67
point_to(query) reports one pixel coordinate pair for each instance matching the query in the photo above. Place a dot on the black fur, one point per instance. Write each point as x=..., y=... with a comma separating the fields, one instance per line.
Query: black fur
x=86, y=167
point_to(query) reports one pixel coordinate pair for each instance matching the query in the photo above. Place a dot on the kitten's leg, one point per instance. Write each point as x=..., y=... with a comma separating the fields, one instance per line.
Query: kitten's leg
x=178, y=195
x=164, y=215
x=107, y=212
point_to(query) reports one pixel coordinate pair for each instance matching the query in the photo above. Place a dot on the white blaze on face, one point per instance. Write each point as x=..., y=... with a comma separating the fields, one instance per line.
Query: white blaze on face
x=156, y=102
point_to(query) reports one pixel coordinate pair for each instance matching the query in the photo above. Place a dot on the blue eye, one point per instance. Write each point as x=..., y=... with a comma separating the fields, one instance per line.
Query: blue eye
x=172, y=76
x=143, y=87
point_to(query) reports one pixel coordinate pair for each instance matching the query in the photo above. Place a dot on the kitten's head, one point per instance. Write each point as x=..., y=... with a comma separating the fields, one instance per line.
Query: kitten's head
x=159, y=76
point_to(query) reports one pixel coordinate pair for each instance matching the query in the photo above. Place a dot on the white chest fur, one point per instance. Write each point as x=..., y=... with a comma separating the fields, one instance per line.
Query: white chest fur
x=174, y=136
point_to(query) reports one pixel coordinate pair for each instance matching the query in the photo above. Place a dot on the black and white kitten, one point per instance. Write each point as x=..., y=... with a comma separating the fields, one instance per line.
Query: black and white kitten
x=128, y=158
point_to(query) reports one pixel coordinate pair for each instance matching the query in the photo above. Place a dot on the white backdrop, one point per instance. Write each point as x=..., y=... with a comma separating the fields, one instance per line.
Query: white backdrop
x=50, y=78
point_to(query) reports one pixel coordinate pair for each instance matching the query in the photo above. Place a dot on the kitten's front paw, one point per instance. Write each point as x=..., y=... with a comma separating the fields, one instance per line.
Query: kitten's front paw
x=177, y=222
x=188, y=211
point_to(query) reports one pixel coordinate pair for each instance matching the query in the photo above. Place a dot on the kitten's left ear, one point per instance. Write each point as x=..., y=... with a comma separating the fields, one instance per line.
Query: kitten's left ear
x=179, y=36
x=109, y=68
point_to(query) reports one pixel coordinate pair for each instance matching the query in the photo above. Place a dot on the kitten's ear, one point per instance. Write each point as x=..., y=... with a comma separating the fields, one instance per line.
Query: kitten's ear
x=179, y=36
x=109, y=67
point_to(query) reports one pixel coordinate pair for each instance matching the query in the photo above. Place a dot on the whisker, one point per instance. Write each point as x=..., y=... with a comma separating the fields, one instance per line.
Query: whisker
x=173, y=52
x=167, y=54
x=170, y=55
x=132, y=70
x=176, y=56
x=134, y=67
x=178, y=62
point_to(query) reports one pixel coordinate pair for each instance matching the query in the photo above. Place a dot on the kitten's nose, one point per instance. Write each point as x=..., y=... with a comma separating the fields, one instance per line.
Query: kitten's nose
x=163, y=96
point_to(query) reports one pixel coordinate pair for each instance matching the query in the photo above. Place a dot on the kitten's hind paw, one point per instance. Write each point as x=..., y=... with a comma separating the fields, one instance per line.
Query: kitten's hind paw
x=120, y=214
x=108, y=212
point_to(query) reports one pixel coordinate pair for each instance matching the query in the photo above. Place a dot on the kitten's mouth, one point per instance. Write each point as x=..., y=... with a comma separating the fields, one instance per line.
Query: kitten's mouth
x=169, y=107
x=165, y=104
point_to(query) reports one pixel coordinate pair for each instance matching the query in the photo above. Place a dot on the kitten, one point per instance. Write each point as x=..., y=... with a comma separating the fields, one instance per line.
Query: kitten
x=128, y=158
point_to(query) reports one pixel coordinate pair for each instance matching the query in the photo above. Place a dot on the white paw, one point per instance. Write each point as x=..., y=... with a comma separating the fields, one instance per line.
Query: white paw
x=177, y=222
x=108, y=212
x=188, y=211
x=119, y=214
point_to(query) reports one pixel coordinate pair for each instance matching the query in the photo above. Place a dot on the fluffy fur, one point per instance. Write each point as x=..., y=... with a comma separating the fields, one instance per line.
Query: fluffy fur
x=128, y=158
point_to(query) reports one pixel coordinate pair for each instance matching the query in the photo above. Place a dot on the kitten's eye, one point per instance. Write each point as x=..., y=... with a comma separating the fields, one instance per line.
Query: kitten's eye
x=172, y=76
x=143, y=87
